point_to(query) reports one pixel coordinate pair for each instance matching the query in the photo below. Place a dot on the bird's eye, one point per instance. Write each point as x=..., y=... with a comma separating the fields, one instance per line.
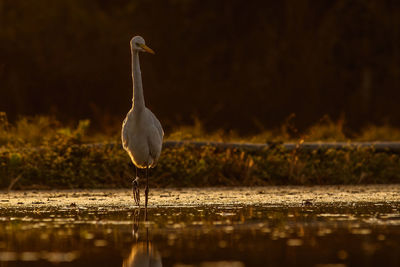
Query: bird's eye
x=137, y=44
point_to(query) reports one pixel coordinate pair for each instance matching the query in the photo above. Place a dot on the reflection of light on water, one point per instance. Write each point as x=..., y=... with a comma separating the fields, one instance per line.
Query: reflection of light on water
x=381, y=237
x=60, y=256
x=8, y=256
x=143, y=254
x=331, y=265
x=29, y=256
x=324, y=231
x=342, y=254
x=54, y=257
x=226, y=214
x=100, y=243
x=213, y=264
x=294, y=242
x=361, y=231
x=196, y=233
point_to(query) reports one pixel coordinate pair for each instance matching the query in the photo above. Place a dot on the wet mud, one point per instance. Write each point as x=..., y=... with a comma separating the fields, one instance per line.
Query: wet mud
x=192, y=197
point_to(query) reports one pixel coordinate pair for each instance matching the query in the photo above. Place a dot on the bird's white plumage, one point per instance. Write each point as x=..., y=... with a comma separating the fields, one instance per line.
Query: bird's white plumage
x=142, y=137
x=142, y=133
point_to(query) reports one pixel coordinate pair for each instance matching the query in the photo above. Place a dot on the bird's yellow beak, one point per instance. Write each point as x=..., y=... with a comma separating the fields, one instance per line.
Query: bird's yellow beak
x=147, y=49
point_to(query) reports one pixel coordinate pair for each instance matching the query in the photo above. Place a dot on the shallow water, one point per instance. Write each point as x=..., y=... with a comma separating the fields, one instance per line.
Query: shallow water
x=304, y=235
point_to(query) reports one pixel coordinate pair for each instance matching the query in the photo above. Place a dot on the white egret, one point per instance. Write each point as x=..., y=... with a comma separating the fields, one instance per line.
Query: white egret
x=143, y=255
x=142, y=133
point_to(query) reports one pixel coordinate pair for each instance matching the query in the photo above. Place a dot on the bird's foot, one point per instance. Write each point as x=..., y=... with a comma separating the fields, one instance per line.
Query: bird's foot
x=136, y=192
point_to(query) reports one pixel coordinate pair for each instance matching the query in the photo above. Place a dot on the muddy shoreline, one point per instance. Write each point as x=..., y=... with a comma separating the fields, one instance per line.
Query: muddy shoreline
x=192, y=197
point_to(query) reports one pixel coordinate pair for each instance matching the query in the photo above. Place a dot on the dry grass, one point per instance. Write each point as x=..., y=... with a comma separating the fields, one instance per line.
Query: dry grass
x=56, y=158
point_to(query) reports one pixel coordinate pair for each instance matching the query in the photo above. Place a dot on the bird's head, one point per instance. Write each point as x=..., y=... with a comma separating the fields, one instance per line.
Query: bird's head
x=138, y=44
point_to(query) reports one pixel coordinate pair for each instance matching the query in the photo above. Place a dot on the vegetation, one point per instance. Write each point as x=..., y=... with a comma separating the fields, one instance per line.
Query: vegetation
x=39, y=152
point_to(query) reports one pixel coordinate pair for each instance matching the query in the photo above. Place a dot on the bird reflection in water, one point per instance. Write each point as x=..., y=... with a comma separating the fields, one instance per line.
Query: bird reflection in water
x=143, y=253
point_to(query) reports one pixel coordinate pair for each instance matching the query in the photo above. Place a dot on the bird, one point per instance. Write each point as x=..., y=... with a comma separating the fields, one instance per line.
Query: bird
x=142, y=133
x=143, y=255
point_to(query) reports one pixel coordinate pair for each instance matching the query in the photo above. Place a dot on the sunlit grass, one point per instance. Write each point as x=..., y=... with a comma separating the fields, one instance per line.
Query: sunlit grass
x=40, y=152
x=379, y=133
x=325, y=130
x=42, y=130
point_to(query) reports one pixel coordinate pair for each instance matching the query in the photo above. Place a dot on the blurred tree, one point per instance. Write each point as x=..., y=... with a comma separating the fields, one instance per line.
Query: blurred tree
x=234, y=64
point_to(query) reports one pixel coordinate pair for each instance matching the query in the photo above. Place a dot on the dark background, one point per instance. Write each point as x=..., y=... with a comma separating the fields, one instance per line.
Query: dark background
x=242, y=65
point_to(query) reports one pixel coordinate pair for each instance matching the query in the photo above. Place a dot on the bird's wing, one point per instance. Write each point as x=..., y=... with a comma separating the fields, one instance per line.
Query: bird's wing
x=155, y=138
x=156, y=123
x=124, y=134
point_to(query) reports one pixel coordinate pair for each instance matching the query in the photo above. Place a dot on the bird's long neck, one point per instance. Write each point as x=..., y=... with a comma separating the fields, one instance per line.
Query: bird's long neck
x=138, y=98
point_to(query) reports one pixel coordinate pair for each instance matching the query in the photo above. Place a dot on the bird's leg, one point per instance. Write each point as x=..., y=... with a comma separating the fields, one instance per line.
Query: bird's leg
x=146, y=191
x=135, y=189
x=136, y=220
